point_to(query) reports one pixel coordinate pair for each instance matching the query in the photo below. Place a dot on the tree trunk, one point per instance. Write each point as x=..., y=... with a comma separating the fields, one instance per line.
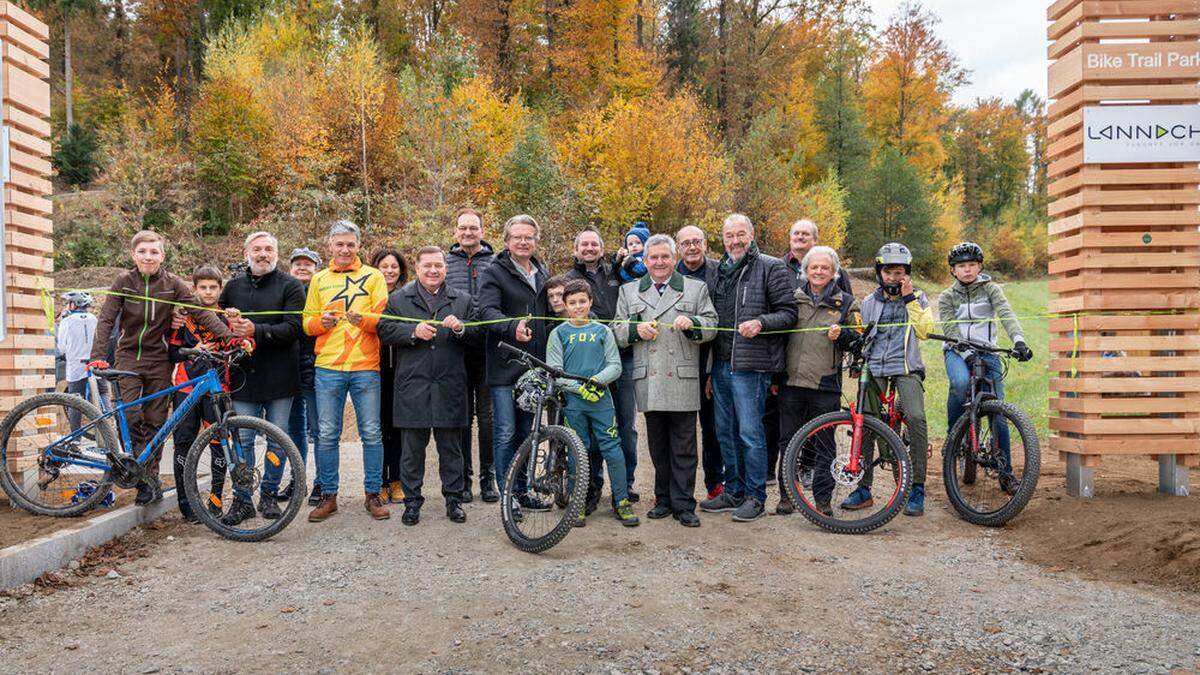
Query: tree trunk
x=362, y=129
x=723, y=66
x=68, y=99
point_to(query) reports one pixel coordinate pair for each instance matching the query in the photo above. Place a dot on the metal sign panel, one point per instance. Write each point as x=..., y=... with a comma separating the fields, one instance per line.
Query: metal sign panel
x=1141, y=134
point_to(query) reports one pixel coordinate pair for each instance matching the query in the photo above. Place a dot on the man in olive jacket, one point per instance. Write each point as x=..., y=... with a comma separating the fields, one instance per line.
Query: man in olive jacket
x=431, y=380
x=671, y=316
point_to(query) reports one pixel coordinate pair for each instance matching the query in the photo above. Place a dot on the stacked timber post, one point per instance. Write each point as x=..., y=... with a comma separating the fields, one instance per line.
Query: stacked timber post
x=1125, y=235
x=27, y=347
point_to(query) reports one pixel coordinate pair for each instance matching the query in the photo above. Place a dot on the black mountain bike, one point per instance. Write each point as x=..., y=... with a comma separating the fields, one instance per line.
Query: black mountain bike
x=992, y=436
x=546, y=484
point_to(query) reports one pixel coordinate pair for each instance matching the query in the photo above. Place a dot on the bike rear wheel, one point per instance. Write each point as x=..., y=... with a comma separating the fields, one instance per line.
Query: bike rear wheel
x=823, y=446
x=986, y=485
x=559, y=480
x=215, y=487
x=35, y=480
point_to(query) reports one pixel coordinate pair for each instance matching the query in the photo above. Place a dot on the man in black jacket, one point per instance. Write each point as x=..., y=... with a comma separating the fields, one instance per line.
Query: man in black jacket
x=469, y=258
x=513, y=287
x=592, y=267
x=302, y=423
x=801, y=239
x=695, y=263
x=753, y=295
x=431, y=380
x=264, y=384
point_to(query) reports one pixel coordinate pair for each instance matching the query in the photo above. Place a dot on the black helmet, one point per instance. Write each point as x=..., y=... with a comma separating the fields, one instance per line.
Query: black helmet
x=967, y=251
x=893, y=253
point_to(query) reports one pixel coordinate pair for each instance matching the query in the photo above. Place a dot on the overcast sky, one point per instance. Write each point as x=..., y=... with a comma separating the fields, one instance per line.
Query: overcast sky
x=1002, y=43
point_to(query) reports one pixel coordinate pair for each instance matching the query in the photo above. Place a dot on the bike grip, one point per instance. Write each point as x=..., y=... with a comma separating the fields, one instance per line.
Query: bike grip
x=509, y=348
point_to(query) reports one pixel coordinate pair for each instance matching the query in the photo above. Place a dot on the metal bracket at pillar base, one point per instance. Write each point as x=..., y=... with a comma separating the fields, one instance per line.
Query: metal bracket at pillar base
x=1080, y=478
x=1172, y=476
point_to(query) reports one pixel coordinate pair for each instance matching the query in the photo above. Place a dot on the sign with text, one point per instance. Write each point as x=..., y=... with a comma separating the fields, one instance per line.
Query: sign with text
x=1141, y=134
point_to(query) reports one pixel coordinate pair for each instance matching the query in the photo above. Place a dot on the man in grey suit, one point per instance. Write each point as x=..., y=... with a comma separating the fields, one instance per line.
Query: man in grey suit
x=669, y=316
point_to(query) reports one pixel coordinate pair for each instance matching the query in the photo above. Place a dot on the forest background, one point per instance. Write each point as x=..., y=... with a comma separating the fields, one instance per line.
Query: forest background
x=207, y=119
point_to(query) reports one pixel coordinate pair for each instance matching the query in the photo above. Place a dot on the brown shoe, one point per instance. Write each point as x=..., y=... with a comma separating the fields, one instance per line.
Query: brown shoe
x=395, y=493
x=325, y=508
x=375, y=507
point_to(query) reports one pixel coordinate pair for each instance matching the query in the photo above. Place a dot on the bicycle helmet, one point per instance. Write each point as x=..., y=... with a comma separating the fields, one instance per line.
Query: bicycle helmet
x=892, y=253
x=530, y=391
x=967, y=251
x=80, y=299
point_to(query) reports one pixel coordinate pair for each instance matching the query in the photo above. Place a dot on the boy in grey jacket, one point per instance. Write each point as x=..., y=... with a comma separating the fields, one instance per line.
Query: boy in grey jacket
x=970, y=309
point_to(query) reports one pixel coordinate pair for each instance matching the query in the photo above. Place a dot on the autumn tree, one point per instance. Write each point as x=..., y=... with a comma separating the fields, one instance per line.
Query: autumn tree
x=359, y=82
x=907, y=89
x=989, y=153
x=893, y=206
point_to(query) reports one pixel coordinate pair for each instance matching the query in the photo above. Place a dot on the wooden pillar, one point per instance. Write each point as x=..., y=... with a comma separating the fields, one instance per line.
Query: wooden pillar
x=27, y=350
x=1125, y=243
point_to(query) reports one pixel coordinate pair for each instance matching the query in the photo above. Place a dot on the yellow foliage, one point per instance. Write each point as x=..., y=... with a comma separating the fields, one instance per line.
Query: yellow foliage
x=494, y=123
x=600, y=58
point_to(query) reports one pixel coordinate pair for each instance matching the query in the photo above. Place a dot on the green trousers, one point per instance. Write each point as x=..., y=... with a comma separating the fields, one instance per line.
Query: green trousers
x=910, y=391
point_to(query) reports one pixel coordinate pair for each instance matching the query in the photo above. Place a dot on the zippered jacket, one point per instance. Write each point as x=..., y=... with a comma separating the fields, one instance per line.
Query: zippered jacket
x=908, y=319
x=145, y=324
x=970, y=312
x=355, y=288
x=762, y=289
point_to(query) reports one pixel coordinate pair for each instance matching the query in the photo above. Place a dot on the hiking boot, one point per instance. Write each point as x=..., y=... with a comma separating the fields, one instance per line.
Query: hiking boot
x=455, y=513
x=326, y=507
x=784, y=508
x=467, y=496
x=721, y=503
x=148, y=492
x=916, y=502
x=242, y=510
x=374, y=506
x=825, y=508
x=716, y=492
x=751, y=509
x=393, y=493
x=591, y=503
x=285, y=495
x=412, y=514
x=633, y=496
x=517, y=516
x=269, y=507
x=1008, y=484
x=660, y=510
x=624, y=513
x=687, y=519
x=859, y=499
x=314, y=497
x=531, y=503
x=487, y=488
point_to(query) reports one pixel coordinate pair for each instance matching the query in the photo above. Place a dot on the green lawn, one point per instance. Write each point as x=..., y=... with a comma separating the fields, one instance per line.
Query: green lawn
x=1026, y=383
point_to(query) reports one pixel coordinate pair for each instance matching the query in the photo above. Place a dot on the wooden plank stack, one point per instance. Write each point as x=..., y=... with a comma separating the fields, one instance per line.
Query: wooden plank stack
x=27, y=352
x=1125, y=245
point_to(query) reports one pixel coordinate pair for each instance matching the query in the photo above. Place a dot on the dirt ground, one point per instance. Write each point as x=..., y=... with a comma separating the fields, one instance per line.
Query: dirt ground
x=351, y=594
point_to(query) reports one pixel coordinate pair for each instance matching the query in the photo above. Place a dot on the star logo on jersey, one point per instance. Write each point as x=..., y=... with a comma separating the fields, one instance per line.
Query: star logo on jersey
x=352, y=289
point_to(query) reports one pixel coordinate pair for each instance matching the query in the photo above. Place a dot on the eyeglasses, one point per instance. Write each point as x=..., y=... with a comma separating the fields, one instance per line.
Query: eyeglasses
x=691, y=242
x=522, y=238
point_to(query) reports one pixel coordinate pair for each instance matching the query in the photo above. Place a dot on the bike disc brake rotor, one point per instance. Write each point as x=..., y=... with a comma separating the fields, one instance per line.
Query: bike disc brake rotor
x=245, y=477
x=842, y=475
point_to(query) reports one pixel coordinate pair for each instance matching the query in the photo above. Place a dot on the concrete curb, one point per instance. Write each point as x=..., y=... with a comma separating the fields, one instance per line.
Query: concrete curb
x=22, y=563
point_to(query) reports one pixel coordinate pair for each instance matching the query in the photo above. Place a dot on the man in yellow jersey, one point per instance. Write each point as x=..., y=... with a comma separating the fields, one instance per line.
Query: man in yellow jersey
x=342, y=311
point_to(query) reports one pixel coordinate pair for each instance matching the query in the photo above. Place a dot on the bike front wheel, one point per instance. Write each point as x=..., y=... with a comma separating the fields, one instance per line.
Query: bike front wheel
x=224, y=479
x=552, y=478
x=819, y=481
x=54, y=455
x=991, y=467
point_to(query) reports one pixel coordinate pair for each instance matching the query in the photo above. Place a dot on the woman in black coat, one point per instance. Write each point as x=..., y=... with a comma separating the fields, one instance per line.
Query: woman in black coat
x=391, y=263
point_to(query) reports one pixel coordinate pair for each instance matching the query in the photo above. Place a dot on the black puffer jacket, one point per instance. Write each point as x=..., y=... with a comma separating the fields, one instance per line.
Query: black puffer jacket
x=606, y=286
x=504, y=293
x=307, y=345
x=463, y=272
x=762, y=289
x=271, y=371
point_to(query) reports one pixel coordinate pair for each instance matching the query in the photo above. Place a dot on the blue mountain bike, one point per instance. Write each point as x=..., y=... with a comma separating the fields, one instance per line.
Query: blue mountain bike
x=60, y=455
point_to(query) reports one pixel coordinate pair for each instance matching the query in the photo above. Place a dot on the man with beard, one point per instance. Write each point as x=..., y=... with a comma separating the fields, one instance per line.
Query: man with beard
x=264, y=384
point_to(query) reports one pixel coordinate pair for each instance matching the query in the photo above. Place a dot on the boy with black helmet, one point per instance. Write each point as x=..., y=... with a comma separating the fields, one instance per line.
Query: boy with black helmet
x=969, y=309
x=901, y=316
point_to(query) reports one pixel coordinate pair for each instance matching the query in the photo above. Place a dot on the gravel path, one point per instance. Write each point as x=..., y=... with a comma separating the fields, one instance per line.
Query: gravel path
x=928, y=594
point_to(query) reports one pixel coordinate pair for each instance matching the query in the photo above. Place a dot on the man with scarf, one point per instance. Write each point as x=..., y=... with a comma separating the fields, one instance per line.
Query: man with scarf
x=753, y=296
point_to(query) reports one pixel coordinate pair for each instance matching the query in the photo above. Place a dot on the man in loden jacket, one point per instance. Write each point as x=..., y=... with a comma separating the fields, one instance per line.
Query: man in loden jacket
x=673, y=315
x=512, y=288
x=431, y=380
x=264, y=384
x=468, y=259
x=753, y=295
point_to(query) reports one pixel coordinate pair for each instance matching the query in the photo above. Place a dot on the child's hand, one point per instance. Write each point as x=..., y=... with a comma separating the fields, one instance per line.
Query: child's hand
x=906, y=287
x=591, y=391
x=834, y=332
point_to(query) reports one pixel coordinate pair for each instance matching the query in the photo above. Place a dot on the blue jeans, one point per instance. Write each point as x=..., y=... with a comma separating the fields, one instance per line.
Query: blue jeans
x=598, y=428
x=960, y=381
x=625, y=402
x=510, y=426
x=276, y=412
x=739, y=403
x=302, y=423
x=332, y=386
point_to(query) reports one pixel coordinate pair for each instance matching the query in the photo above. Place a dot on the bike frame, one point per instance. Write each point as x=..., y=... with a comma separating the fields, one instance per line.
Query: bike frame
x=207, y=384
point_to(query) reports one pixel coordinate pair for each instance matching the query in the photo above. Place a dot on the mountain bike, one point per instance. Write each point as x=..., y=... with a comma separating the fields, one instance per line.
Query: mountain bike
x=546, y=484
x=984, y=439
x=847, y=450
x=60, y=455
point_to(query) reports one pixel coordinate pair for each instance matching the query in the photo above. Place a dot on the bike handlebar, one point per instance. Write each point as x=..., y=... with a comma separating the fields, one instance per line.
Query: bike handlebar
x=228, y=355
x=977, y=346
x=532, y=361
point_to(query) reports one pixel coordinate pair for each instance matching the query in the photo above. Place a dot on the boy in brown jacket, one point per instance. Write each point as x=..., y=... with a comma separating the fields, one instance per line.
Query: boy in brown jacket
x=145, y=325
